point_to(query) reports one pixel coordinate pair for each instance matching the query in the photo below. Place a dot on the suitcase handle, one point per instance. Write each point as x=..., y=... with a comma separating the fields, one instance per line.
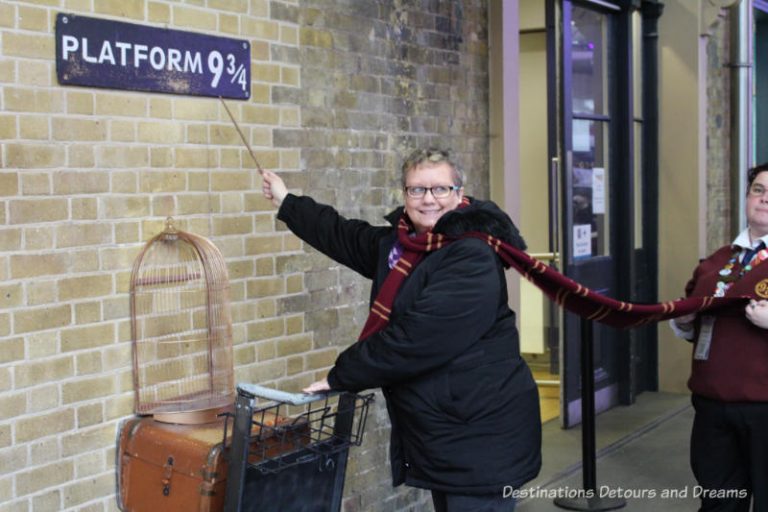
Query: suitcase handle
x=255, y=390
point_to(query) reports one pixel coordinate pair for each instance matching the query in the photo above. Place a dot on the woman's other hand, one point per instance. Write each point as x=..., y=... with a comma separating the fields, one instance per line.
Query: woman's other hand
x=273, y=188
x=757, y=313
x=320, y=386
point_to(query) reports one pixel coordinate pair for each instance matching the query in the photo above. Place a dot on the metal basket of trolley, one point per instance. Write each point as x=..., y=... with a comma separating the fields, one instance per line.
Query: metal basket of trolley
x=288, y=451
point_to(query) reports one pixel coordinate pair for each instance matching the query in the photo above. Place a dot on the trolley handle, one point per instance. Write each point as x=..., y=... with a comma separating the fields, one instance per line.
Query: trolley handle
x=255, y=390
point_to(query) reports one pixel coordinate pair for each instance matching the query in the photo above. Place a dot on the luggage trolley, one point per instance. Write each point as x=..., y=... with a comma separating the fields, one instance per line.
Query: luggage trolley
x=290, y=452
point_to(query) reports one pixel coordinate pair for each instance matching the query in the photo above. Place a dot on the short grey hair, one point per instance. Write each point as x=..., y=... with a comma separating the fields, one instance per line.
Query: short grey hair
x=433, y=156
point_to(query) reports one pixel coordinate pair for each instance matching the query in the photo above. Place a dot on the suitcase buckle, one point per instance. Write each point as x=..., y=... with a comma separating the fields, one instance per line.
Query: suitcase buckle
x=167, y=473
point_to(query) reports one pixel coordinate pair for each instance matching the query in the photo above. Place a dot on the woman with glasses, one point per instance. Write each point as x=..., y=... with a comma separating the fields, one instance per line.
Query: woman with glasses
x=440, y=340
x=729, y=377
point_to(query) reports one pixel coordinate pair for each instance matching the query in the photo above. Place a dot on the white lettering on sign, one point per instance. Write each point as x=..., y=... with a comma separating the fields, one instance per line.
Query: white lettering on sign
x=159, y=58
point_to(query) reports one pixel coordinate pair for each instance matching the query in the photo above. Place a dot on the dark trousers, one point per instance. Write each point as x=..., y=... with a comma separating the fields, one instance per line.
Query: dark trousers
x=446, y=502
x=729, y=452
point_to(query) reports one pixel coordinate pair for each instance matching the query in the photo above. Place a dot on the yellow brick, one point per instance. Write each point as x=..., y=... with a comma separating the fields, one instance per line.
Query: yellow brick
x=321, y=359
x=265, y=266
x=289, y=35
x=44, y=399
x=7, y=67
x=264, y=244
x=81, y=155
x=231, y=180
x=118, y=259
x=119, y=406
x=197, y=134
x=56, y=422
x=7, y=127
x=7, y=18
x=5, y=327
x=28, y=45
x=294, y=365
x=162, y=181
x=121, y=105
x=289, y=76
x=260, y=51
x=121, y=8
x=40, y=293
x=122, y=157
x=32, y=100
x=195, y=109
x=79, y=102
x=122, y=131
x=87, y=389
x=49, y=500
x=294, y=325
x=79, y=129
x=91, y=414
x=290, y=159
x=269, y=286
x=230, y=158
x=31, y=156
x=232, y=225
x=11, y=350
x=127, y=232
x=42, y=344
x=38, y=238
x=194, y=18
x=32, y=18
x=163, y=206
x=124, y=182
x=159, y=13
x=6, y=380
x=10, y=462
x=265, y=350
x=161, y=157
x=191, y=158
x=88, y=363
x=72, y=288
x=84, y=261
x=81, y=235
x=35, y=74
x=260, y=114
x=35, y=184
x=198, y=182
x=51, y=370
x=5, y=438
x=77, y=5
x=119, y=207
x=9, y=183
x=52, y=475
x=78, y=338
x=87, y=313
x=294, y=345
x=161, y=133
x=266, y=73
x=80, y=182
x=11, y=295
x=33, y=127
x=12, y=405
x=229, y=24
x=229, y=5
x=40, y=319
x=83, y=441
x=83, y=208
x=88, y=464
x=27, y=211
x=161, y=107
x=261, y=29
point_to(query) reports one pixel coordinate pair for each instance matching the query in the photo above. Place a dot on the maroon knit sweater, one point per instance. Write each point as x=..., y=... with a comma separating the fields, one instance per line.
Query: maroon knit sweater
x=737, y=367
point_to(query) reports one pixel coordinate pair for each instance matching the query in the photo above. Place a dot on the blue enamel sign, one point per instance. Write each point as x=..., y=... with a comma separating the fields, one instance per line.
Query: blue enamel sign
x=116, y=55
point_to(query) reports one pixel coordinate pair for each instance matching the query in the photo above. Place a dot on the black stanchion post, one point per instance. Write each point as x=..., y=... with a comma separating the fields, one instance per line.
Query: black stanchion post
x=591, y=499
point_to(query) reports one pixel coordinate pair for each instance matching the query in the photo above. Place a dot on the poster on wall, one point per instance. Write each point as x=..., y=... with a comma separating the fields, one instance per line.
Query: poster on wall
x=582, y=241
x=116, y=55
x=598, y=191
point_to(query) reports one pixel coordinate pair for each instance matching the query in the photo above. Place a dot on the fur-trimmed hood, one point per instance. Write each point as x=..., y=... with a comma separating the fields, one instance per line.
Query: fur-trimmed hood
x=482, y=216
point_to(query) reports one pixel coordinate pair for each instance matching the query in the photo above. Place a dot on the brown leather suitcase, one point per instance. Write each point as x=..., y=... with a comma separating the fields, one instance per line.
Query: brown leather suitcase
x=170, y=467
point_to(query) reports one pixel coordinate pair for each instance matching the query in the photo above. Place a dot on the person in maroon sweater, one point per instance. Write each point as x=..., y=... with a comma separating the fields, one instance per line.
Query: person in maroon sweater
x=729, y=373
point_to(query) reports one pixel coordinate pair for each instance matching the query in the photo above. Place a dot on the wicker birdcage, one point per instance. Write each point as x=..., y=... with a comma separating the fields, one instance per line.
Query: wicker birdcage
x=181, y=329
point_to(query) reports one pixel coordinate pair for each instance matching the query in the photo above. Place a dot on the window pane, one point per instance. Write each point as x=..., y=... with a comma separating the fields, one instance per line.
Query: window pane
x=590, y=185
x=588, y=60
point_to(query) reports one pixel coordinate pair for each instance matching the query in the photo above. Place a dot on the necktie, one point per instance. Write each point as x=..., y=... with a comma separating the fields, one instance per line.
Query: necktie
x=750, y=253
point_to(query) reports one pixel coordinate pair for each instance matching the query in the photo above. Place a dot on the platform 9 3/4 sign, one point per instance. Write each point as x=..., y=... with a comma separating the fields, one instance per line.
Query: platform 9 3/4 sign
x=116, y=55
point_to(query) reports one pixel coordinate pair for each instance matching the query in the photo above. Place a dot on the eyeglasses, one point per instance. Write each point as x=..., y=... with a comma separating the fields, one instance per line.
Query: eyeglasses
x=757, y=190
x=438, y=192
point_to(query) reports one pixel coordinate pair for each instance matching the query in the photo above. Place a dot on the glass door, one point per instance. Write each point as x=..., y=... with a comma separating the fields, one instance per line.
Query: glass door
x=583, y=133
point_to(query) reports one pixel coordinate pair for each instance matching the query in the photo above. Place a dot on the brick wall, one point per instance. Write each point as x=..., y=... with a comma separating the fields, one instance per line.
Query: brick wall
x=340, y=92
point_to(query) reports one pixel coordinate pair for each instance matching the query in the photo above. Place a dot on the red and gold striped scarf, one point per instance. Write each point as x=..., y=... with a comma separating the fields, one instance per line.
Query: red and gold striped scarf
x=563, y=290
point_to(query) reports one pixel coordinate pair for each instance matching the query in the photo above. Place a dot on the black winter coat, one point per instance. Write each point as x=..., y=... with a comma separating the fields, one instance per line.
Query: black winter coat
x=463, y=404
